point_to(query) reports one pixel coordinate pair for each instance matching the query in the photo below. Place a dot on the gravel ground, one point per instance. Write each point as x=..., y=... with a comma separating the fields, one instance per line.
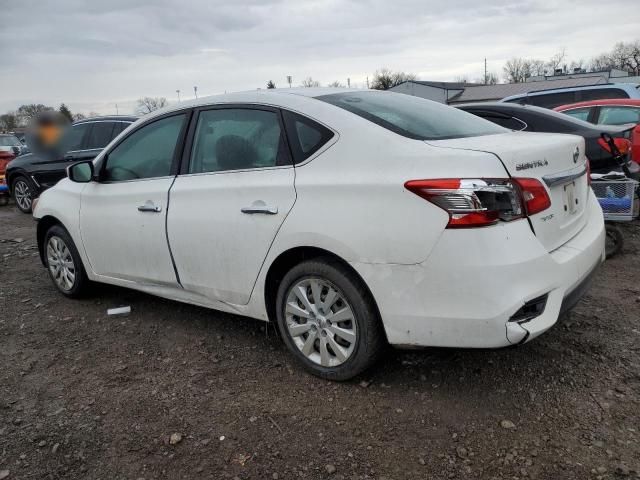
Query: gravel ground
x=175, y=391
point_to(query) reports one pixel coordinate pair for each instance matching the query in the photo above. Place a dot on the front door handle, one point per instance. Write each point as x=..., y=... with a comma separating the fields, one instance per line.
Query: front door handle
x=149, y=207
x=259, y=207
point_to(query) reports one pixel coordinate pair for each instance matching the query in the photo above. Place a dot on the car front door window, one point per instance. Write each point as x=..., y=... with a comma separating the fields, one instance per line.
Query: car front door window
x=146, y=153
x=619, y=115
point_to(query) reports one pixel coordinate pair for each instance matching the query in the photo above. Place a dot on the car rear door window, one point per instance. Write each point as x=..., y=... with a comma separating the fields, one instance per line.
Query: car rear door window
x=579, y=113
x=148, y=152
x=74, y=137
x=100, y=134
x=619, y=115
x=306, y=136
x=552, y=100
x=600, y=94
x=237, y=139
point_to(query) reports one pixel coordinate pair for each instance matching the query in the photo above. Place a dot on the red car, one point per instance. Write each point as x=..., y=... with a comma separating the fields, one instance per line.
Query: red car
x=615, y=111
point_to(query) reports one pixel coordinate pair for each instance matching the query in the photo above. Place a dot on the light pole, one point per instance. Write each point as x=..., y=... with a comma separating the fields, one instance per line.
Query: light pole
x=348, y=83
x=178, y=92
x=289, y=80
x=195, y=91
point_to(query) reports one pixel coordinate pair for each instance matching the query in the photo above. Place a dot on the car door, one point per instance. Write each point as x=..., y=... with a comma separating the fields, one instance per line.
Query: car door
x=234, y=191
x=123, y=213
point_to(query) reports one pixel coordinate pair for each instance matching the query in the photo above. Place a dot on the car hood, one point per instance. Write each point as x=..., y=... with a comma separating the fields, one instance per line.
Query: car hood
x=22, y=160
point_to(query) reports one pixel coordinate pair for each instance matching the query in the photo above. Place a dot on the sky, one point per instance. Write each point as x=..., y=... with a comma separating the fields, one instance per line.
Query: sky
x=94, y=54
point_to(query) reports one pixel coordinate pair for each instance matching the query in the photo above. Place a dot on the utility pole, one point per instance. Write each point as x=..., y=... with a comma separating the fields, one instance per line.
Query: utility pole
x=486, y=80
x=178, y=92
x=117, y=113
x=289, y=80
x=367, y=81
x=348, y=83
x=195, y=91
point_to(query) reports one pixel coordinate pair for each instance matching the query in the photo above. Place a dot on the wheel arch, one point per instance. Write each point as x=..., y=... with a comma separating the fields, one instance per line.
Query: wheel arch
x=286, y=260
x=44, y=224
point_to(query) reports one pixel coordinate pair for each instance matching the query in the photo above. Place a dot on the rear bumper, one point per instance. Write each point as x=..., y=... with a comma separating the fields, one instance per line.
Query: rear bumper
x=474, y=282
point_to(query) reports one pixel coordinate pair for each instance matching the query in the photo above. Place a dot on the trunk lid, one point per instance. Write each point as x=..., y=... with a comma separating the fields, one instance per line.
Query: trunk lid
x=557, y=161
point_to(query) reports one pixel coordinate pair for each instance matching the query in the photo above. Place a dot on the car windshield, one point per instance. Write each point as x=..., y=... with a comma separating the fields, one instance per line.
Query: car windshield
x=9, y=141
x=411, y=116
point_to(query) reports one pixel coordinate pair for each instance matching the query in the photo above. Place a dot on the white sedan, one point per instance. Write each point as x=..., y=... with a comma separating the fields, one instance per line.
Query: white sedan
x=352, y=219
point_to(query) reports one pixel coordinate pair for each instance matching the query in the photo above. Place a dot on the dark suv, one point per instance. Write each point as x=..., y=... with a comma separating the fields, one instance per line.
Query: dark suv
x=31, y=174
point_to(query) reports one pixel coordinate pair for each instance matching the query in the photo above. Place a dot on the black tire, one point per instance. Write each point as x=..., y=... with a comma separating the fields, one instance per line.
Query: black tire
x=370, y=339
x=17, y=188
x=614, y=240
x=80, y=283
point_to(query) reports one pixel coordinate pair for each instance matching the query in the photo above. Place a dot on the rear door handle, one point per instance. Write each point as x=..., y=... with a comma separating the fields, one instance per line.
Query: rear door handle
x=149, y=207
x=259, y=207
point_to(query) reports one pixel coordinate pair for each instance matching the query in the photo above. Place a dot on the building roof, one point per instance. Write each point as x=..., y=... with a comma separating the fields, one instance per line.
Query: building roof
x=480, y=93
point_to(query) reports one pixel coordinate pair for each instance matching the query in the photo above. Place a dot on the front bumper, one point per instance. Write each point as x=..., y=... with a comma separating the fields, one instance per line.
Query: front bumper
x=473, y=282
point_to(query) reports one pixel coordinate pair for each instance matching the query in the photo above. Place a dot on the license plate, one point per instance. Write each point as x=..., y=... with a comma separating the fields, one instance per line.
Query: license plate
x=570, y=198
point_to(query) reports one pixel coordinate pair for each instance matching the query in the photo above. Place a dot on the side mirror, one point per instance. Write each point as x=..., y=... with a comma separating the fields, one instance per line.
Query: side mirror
x=81, y=172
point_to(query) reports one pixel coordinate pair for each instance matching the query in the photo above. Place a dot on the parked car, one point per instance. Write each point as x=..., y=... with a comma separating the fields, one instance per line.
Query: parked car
x=29, y=175
x=560, y=96
x=536, y=119
x=609, y=112
x=349, y=218
x=10, y=143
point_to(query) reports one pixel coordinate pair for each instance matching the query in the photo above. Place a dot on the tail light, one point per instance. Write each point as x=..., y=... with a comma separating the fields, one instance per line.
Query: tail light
x=475, y=202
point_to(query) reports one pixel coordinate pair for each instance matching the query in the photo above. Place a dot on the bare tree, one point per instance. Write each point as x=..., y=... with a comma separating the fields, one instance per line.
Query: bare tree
x=149, y=104
x=384, y=79
x=491, y=78
x=78, y=116
x=336, y=84
x=461, y=79
x=624, y=56
x=515, y=70
x=9, y=121
x=310, y=82
x=28, y=112
x=557, y=60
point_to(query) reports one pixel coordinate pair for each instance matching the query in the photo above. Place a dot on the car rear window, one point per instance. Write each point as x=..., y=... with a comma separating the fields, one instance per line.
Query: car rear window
x=412, y=117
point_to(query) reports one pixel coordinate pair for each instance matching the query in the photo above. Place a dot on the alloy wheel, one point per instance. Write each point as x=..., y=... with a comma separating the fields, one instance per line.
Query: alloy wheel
x=61, y=264
x=22, y=194
x=320, y=322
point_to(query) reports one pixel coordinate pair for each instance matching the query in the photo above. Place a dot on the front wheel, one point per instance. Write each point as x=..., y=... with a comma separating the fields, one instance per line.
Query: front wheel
x=328, y=319
x=23, y=194
x=64, y=263
x=614, y=240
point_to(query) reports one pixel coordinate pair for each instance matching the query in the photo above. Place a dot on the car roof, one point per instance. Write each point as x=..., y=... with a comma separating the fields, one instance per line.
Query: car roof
x=635, y=102
x=278, y=97
x=627, y=87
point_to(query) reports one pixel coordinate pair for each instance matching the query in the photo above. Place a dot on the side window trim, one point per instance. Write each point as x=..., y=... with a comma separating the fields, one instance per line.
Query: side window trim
x=185, y=158
x=175, y=164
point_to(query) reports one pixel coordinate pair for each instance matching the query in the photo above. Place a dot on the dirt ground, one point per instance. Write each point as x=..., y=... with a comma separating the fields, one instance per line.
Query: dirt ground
x=174, y=391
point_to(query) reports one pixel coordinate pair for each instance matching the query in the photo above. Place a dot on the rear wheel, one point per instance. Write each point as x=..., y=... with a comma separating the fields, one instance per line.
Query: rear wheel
x=328, y=319
x=23, y=193
x=64, y=263
x=614, y=240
